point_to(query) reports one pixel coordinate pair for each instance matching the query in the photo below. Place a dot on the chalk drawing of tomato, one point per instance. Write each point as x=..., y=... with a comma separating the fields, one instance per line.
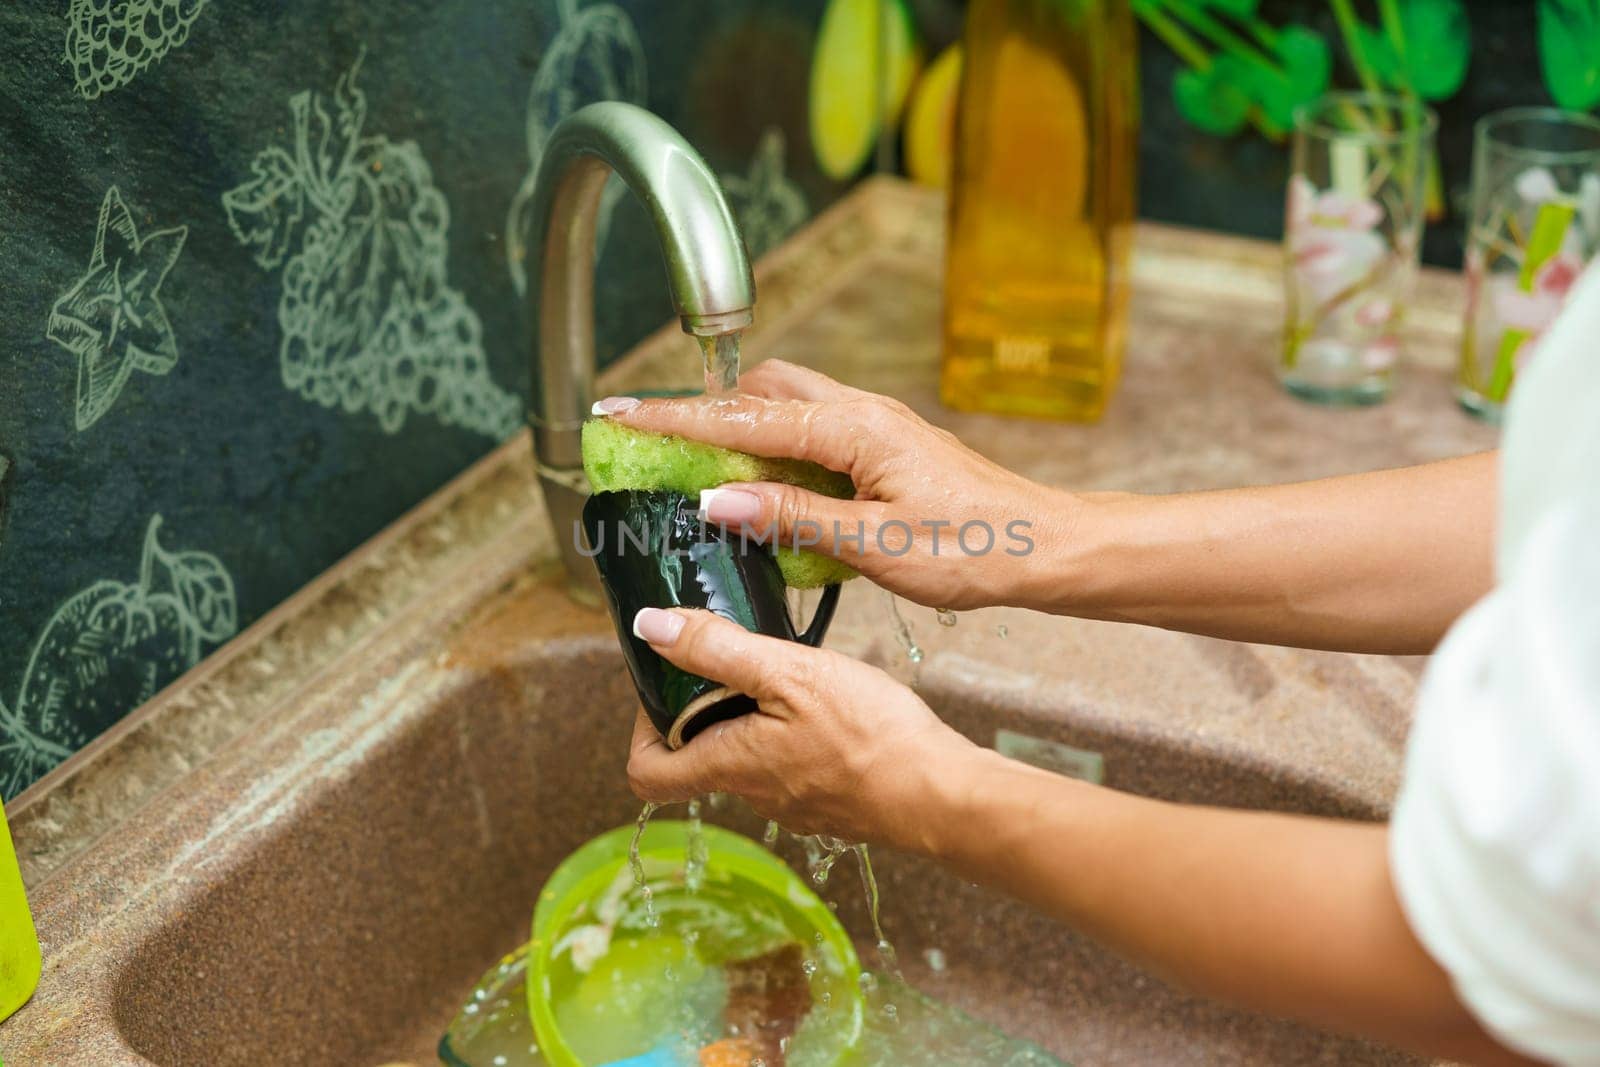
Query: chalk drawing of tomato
x=108, y=649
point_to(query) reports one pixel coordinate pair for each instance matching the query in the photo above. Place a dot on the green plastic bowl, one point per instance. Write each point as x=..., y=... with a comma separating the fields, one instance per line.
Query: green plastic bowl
x=733, y=861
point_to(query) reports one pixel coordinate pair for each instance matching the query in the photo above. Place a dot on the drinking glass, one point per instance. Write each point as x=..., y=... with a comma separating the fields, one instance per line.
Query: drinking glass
x=1352, y=237
x=1535, y=224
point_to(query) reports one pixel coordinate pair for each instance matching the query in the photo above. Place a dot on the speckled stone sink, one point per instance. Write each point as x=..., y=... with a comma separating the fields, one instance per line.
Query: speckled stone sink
x=308, y=850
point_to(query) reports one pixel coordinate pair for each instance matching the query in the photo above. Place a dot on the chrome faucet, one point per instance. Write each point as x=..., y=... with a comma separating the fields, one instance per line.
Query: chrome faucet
x=708, y=275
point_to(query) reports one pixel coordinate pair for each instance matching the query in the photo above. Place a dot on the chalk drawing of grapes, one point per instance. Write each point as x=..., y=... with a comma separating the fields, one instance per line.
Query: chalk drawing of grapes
x=370, y=322
x=767, y=205
x=108, y=649
x=110, y=41
x=596, y=55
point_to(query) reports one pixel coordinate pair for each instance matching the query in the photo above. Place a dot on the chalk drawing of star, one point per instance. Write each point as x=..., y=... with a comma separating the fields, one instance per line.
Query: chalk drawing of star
x=112, y=318
x=766, y=203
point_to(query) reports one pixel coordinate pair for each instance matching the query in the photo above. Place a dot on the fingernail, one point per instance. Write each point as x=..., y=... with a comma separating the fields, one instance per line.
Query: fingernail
x=614, y=405
x=657, y=626
x=731, y=507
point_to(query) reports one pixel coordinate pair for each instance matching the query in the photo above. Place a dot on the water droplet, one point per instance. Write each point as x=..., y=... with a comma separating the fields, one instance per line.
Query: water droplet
x=1002, y=631
x=946, y=617
x=868, y=981
x=770, y=838
x=809, y=967
x=935, y=959
x=902, y=629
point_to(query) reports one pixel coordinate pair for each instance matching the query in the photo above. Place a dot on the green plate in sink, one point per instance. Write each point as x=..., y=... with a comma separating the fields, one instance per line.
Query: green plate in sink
x=612, y=975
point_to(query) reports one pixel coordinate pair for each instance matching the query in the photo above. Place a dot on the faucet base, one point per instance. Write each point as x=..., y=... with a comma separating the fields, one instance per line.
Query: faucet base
x=565, y=493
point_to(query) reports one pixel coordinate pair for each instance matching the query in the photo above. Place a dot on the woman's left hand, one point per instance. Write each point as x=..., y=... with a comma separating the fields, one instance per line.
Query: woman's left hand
x=837, y=747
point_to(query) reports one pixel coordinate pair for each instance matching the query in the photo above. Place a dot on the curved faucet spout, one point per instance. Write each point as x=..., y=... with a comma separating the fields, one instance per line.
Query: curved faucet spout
x=708, y=273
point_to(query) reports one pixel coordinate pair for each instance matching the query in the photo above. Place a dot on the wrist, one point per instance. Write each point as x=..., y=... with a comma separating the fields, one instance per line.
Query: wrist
x=1067, y=572
x=946, y=783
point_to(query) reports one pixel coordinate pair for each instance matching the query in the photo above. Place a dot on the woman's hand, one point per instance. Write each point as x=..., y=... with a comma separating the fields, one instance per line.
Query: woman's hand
x=932, y=520
x=837, y=747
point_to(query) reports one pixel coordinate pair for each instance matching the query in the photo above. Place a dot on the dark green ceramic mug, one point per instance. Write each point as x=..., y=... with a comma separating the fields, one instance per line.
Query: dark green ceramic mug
x=653, y=550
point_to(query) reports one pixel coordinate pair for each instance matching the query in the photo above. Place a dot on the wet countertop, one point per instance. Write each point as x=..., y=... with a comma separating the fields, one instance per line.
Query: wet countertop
x=856, y=294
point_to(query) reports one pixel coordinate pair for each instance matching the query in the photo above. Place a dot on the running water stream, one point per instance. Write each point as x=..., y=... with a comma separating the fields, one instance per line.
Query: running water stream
x=721, y=355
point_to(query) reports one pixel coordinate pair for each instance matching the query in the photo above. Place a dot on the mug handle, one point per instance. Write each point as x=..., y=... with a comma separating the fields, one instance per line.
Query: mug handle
x=812, y=635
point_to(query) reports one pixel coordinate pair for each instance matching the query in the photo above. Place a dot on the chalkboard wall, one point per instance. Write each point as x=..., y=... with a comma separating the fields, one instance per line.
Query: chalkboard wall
x=259, y=288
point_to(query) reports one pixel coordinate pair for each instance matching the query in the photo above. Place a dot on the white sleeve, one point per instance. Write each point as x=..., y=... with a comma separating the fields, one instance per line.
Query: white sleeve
x=1495, y=842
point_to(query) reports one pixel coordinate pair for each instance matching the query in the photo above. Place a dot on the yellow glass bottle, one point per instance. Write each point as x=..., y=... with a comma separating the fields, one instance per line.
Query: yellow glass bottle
x=19, y=943
x=1041, y=209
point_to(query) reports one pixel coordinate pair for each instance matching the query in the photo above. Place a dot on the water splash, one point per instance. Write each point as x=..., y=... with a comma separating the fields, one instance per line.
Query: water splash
x=637, y=864
x=721, y=355
x=902, y=629
x=869, y=882
x=828, y=851
x=696, y=853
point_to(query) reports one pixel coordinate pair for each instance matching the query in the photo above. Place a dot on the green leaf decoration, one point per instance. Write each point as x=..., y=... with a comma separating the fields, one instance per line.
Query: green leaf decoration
x=1214, y=100
x=1569, y=51
x=1505, y=365
x=1383, y=60
x=1438, y=46
x=1544, y=244
x=1301, y=74
x=1243, y=10
x=1307, y=61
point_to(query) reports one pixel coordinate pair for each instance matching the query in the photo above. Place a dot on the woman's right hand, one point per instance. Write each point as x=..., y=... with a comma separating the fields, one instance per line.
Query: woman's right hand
x=932, y=520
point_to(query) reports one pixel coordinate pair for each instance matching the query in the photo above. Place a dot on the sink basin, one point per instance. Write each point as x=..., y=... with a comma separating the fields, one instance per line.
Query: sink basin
x=310, y=848
x=355, y=924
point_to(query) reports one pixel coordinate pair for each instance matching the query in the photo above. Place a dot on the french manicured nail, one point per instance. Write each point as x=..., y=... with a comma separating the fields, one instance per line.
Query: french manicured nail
x=731, y=507
x=657, y=626
x=614, y=405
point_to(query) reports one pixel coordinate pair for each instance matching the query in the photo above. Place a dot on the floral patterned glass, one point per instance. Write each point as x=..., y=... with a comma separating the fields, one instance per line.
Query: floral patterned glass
x=1352, y=234
x=1535, y=224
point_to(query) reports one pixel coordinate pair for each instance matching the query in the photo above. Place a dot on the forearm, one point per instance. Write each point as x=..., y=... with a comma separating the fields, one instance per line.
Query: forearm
x=1284, y=915
x=1379, y=562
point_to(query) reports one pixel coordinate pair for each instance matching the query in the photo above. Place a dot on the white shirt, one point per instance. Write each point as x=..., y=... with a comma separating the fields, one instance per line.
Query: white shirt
x=1495, y=841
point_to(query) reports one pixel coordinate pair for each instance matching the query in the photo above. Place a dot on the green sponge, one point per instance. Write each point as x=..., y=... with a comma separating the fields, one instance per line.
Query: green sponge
x=617, y=457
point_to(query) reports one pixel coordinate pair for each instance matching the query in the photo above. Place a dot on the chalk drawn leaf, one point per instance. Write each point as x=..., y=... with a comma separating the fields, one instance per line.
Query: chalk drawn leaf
x=265, y=211
x=112, y=646
x=110, y=41
x=112, y=318
x=25, y=757
x=369, y=320
x=767, y=205
x=595, y=55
